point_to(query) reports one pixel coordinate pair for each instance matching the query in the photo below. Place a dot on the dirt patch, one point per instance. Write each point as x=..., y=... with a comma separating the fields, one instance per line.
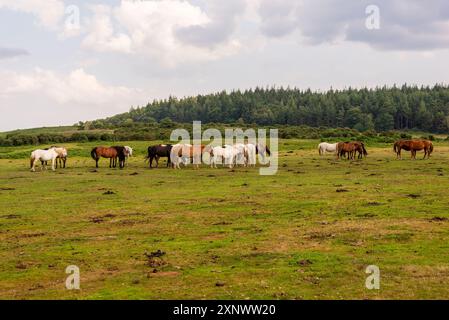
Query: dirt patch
x=342, y=190
x=11, y=216
x=109, y=192
x=155, y=259
x=437, y=219
x=7, y=189
x=413, y=196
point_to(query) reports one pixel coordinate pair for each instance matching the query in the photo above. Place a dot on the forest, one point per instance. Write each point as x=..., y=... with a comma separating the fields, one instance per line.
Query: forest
x=379, y=109
x=381, y=114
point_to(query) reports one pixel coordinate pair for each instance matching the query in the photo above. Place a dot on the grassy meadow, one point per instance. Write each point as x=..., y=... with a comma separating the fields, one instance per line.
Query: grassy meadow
x=308, y=232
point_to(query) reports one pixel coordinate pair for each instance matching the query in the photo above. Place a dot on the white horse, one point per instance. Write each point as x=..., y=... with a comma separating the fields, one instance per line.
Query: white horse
x=324, y=147
x=46, y=155
x=129, y=151
x=221, y=155
x=240, y=154
x=250, y=154
x=262, y=150
x=180, y=153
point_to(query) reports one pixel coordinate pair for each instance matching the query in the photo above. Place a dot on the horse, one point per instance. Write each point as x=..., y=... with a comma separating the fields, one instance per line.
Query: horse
x=61, y=159
x=324, y=147
x=262, y=149
x=157, y=152
x=129, y=150
x=43, y=156
x=219, y=153
x=111, y=153
x=187, y=152
x=413, y=146
x=250, y=154
x=240, y=154
x=347, y=148
x=360, y=148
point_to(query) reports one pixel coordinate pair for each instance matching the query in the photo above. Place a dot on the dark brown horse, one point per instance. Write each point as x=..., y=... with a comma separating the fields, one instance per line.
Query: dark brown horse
x=413, y=146
x=157, y=152
x=111, y=153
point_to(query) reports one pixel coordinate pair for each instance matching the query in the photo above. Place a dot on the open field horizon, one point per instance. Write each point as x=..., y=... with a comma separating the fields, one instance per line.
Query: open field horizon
x=307, y=232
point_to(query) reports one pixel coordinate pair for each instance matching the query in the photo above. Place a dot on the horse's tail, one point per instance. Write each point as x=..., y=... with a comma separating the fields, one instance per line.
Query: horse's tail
x=93, y=153
x=31, y=161
x=431, y=148
x=319, y=150
x=365, y=153
x=268, y=151
x=395, y=147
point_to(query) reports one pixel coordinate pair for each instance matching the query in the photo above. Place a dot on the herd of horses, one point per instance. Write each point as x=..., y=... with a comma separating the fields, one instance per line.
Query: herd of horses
x=357, y=148
x=227, y=155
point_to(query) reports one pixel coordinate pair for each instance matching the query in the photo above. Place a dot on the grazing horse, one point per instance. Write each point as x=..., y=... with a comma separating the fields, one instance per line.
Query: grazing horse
x=360, y=148
x=240, y=154
x=219, y=153
x=413, y=146
x=324, y=147
x=262, y=149
x=347, y=148
x=111, y=153
x=157, y=152
x=61, y=159
x=187, y=152
x=250, y=154
x=43, y=156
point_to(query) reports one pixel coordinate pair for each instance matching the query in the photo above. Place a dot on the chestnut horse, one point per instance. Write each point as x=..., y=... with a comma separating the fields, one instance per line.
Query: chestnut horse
x=111, y=153
x=413, y=146
x=351, y=149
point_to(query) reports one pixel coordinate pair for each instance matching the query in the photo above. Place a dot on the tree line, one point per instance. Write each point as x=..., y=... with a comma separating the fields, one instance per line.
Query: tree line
x=380, y=109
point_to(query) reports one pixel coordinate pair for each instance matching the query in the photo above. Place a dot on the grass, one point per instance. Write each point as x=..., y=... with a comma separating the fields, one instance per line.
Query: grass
x=308, y=232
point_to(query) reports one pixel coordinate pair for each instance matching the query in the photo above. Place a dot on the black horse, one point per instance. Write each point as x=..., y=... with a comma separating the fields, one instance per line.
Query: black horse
x=157, y=152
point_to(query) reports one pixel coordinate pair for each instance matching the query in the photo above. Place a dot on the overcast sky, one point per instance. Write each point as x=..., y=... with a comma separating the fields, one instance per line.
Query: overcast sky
x=62, y=61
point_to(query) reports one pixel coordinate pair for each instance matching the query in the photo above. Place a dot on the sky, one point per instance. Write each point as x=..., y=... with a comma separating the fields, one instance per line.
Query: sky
x=64, y=61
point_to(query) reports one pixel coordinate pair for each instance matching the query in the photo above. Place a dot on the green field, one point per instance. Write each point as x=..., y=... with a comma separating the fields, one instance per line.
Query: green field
x=308, y=232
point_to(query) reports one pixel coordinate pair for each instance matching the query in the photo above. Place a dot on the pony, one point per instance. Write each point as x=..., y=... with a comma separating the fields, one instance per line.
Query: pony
x=61, y=159
x=219, y=153
x=360, y=148
x=44, y=155
x=250, y=154
x=346, y=148
x=324, y=147
x=262, y=149
x=111, y=153
x=129, y=151
x=413, y=146
x=157, y=152
x=240, y=154
x=187, y=152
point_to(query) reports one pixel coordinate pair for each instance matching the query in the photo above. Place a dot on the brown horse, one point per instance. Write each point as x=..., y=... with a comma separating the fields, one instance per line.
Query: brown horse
x=111, y=153
x=157, y=152
x=351, y=149
x=413, y=146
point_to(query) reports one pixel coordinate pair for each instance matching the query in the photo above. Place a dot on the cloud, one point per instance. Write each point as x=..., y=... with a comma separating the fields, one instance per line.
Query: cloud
x=404, y=24
x=77, y=87
x=48, y=12
x=6, y=53
x=158, y=29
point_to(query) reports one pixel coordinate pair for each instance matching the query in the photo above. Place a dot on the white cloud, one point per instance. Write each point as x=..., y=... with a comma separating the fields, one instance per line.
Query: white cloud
x=150, y=28
x=77, y=87
x=48, y=12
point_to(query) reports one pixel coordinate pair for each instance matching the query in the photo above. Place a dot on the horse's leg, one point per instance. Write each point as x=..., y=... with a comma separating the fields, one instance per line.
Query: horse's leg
x=53, y=164
x=96, y=162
